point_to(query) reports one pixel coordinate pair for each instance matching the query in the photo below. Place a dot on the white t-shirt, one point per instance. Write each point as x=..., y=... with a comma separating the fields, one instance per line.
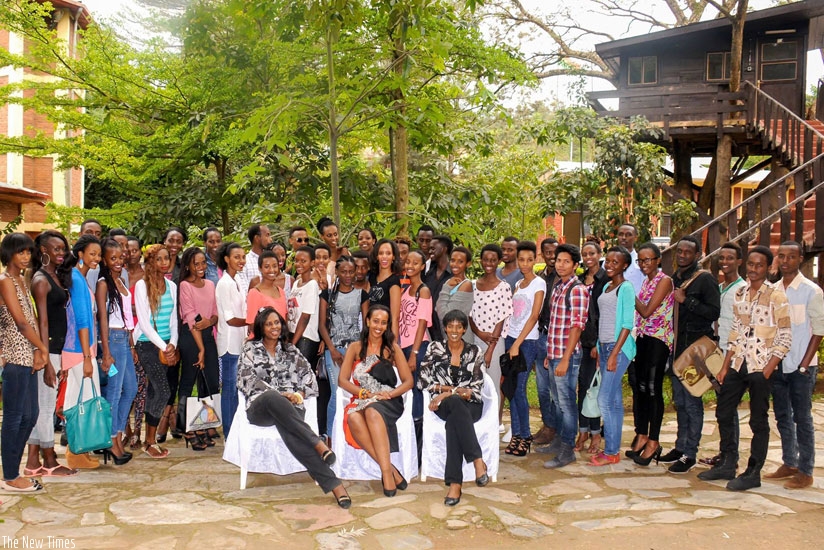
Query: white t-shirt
x=304, y=298
x=231, y=303
x=522, y=302
x=634, y=274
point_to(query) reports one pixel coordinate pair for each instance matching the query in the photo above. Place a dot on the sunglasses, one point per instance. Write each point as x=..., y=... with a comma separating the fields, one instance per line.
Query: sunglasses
x=306, y=240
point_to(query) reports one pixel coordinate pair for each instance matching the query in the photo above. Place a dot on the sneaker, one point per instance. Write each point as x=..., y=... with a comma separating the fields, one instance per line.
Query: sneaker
x=501, y=428
x=682, y=465
x=670, y=457
x=508, y=436
x=799, y=481
x=783, y=472
x=747, y=480
x=566, y=456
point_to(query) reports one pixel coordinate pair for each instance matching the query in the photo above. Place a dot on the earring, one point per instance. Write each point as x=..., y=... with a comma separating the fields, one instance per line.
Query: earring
x=47, y=262
x=80, y=262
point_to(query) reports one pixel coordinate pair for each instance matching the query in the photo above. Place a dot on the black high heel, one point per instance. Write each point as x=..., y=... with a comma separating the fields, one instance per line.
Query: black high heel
x=641, y=461
x=195, y=441
x=204, y=437
x=483, y=480
x=523, y=447
x=513, y=445
x=403, y=484
x=118, y=460
x=389, y=492
x=344, y=502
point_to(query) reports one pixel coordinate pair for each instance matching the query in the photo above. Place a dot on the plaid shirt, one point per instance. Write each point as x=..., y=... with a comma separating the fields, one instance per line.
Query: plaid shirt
x=761, y=327
x=561, y=319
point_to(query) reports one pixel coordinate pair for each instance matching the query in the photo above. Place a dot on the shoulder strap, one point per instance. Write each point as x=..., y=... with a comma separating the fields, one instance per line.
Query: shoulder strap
x=418, y=291
x=568, y=296
x=689, y=281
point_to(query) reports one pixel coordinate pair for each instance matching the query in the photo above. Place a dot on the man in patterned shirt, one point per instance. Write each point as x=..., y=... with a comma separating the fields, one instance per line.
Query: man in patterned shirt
x=761, y=336
x=568, y=308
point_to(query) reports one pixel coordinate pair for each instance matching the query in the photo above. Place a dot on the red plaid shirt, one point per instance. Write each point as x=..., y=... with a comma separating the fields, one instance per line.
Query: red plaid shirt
x=561, y=319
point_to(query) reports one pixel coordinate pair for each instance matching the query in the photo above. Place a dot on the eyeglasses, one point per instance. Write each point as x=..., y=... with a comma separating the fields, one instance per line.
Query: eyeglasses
x=306, y=240
x=644, y=261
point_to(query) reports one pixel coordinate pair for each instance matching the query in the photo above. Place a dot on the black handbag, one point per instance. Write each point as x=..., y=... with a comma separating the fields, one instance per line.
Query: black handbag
x=511, y=367
x=383, y=372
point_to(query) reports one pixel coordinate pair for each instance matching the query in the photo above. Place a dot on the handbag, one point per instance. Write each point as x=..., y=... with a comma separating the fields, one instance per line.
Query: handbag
x=61, y=398
x=383, y=372
x=590, y=408
x=89, y=423
x=698, y=366
x=162, y=355
x=203, y=412
x=511, y=367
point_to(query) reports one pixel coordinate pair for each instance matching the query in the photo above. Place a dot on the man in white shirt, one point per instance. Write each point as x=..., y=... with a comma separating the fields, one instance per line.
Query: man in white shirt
x=260, y=237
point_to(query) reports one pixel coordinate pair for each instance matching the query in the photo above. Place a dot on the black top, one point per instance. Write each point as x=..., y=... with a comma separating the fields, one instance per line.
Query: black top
x=435, y=284
x=700, y=309
x=589, y=337
x=543, y=319
x=379, y=292
x=56, y=301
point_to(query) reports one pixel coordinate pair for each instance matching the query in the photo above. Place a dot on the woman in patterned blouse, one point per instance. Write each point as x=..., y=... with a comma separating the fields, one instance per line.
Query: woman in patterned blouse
x=275, y=379
x=451, y=372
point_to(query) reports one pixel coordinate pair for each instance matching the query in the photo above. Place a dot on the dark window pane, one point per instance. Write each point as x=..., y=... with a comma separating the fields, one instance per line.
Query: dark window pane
x=727, y=65
x=778, y=71
x=778, y=51
x=715, y=66
x=650, y=70
x=636, y=70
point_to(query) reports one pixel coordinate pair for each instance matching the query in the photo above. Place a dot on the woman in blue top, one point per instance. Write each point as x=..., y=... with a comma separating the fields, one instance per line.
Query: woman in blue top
x=616, y=306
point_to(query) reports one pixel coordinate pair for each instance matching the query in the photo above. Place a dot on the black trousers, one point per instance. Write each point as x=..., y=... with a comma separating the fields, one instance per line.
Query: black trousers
x=309, y=349
x=461, y=441
x=586, y=372
x=632, y=380
x=735, y=384
x=189, y=373
x=650, y=363
x=272, y=409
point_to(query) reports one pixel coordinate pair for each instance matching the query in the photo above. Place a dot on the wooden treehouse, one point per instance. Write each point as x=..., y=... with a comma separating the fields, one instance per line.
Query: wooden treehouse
x=679, y=80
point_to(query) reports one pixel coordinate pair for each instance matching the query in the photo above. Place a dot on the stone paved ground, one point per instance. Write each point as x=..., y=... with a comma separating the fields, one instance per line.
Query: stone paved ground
x=191, y=500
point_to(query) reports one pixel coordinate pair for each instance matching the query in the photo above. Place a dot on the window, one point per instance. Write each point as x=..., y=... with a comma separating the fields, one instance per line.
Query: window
x=718, y=66
x=643, y=70
x=779, y=61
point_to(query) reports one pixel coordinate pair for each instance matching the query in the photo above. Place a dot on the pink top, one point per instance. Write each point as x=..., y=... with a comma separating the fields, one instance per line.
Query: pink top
x=659, y=324
x=413, y=310
x=256, y=300
x=194, y=300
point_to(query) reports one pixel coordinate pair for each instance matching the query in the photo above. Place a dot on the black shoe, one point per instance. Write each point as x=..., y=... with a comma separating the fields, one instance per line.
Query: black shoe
x=389, y=492
x=641, y=461
x=724, y=468
x=450, y=501
x=682, y=465
x=483, y=480
x=670, y=457
x=328, y=457
x=747, y=480
x=118, y=460
x=403, y=483
x=344, y=502
x=195, y=441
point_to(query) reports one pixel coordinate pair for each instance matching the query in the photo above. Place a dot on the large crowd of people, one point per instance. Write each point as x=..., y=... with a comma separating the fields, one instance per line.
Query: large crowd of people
x=144, y=326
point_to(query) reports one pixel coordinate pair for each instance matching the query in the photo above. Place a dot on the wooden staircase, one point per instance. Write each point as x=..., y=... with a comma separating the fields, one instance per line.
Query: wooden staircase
x=790, y=208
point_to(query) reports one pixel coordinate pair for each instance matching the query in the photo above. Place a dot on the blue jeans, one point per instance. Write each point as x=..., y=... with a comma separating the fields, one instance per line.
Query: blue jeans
x=550, y=412
x=20, y=410
x=792, y=399
x=689, y=412
x=121, y=389
x=332, y=372
x=518, y=405
x=610, y=399
x=228, y=390
x=564, y=393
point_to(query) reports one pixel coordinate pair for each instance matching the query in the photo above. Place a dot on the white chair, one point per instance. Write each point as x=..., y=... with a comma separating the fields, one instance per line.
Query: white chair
x=486, y=429
x=356, y=463
x=261, y=449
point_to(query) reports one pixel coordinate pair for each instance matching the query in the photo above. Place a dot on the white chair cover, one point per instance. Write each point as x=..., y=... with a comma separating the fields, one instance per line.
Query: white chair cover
x=261, y=449
x=356, y=463
x=486, y=429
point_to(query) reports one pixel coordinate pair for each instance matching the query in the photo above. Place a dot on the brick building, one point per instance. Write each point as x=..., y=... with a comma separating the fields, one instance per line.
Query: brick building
x=26, y=182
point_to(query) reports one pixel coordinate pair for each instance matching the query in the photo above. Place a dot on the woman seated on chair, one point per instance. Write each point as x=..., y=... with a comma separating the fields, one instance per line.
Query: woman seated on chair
x=275, y=379
x=451, y=372
x=377, y=403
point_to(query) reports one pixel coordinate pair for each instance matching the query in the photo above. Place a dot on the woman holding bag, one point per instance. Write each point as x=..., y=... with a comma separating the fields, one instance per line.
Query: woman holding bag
x=155, y=338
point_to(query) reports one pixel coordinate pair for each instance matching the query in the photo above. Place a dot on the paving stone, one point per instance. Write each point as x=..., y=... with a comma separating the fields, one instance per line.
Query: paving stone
x=493, y=493
x=680, y=516
x=476, y=519
x=571, y=486
x=174, y=509
x=166, y=543
x=336, y=541
x=647, y=482
x=420, y=488
x=542, y=517
x=609, y=523
x=708, y=428
x=456, y=524
x=9, y=528
x=626, y=466
x=289, y=491
x=8, y=502
x=313, y=517
x=212, y=483
x=668, y=438
x=253, y=528
x=520, y=526
x=403, y=541
x=729, y=500
x=650, y=494
x=384, y=502
x=438, y=510
x=201, y=540
x=85, y=532
x=611, y=504
x=388, y=519
x=801, y=495
x=213, y=465
x=93, y=518
x=44, y=517
x=101, y=476
x=510, y=473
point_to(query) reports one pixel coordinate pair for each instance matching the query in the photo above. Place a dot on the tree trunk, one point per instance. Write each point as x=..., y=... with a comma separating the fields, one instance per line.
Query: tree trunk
x=723, y=157
x=400, y=140
x=333, y=131
x=707, y=193
x=683, y=169
x=736, y=45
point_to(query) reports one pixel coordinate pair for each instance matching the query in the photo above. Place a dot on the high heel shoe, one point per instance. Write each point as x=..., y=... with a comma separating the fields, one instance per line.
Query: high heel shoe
x=641, y=461
x=194, y=440
x=452, y=501
x=523, y=447
x=204, y=437
x=483, y=480
x=513, y=445
x=389, y=492
x=118, y=460
x=403, y=483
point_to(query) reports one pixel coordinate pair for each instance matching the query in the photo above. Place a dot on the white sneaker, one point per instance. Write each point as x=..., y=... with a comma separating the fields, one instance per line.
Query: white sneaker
x=508, y=437
x=501, y=428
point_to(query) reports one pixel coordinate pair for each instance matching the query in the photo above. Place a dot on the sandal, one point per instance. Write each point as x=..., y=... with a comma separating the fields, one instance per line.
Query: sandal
x=161, y=452
x=594, y=445
x=513, y=445
x=603, y=459
x=582, y=438
x=28, y=472
x=523, y=447
x=204, y=437
x=135, y=443
x=195, y=441
x=49, y=472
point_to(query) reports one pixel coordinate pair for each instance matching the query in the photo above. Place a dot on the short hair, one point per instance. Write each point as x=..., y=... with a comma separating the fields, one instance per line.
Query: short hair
x=15, y=243
x=88, y=221
x=323, y=246
x=360, y=255
x=634, y=229
x=455, y=315
x=254, y=231
x=510, y=239
x=117, y=232
x=225, y=250
x=309, y=250
x=527, y=245
x=344, y=259
x=266, y=254
x=295, y=229
x=175, y=229
x=623, y=252
x=739, y=254
x=763, y=250
x=260, y=321
x=208, y=230
x=403, y=240
x=446, y=241
x=465, y=251
x=426, y=229
x=548, y=240
x=371, y=233
x=651, y=246
x=691, y=239
x=492, y=248
x=796, y=244
x=573, y=251
x=595, y=245
x=132, y=238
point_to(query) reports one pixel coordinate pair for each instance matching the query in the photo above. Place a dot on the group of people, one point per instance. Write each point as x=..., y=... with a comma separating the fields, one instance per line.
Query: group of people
x=283, y=323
